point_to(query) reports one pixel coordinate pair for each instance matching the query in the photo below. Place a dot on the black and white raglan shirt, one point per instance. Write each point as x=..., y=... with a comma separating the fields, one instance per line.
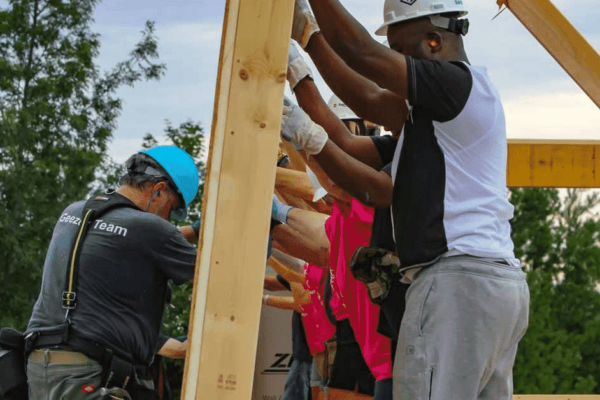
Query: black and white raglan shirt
x=449, y=167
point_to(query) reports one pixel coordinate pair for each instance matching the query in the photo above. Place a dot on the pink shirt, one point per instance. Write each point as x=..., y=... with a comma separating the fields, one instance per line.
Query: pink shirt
x=347, y=229
x=317, y=326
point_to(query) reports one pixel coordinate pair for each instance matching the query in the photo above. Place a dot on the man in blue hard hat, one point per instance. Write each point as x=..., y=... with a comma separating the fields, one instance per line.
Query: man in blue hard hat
x=95, y=327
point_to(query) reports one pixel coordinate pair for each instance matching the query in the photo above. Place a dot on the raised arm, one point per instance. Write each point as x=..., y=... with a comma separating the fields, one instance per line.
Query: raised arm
x=351, y=41
x=368, y=185
x=364, y=97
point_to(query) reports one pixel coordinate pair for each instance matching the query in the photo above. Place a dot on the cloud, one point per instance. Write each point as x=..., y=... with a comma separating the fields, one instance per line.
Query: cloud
x=539, y=97
x=566, y=115
x=186, y=92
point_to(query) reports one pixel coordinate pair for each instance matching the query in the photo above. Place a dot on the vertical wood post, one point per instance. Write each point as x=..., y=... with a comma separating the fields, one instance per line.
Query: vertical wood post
x=568, y=47
x=244, y=140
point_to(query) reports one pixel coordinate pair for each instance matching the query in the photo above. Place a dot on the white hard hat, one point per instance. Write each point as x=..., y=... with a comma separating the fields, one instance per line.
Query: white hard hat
x=320, y=191
x=341, y=110
x=395, y=11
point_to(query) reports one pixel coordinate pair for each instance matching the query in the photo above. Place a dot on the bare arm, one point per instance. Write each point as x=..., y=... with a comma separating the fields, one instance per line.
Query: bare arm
x=350, y=40
x=173, y=349
x=325, y=181
x=272, y=284
x=188, y=233
x=294, y=182
x=281, y=302
x=293, y=263
x=366, y=98
x=295, y=244
x=300, y=295
x=369, y=186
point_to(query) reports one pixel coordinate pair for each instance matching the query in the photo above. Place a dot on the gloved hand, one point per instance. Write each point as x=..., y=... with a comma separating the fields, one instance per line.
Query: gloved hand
x=304, y=24
x=279, y=210
x=297, y=67
x=298, y=128
x=196, y=227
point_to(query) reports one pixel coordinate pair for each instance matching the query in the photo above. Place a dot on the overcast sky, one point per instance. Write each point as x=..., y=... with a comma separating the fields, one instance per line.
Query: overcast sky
x=540, y=99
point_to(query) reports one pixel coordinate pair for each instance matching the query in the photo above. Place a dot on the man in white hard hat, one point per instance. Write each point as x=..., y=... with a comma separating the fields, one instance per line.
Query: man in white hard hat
x=467, y=307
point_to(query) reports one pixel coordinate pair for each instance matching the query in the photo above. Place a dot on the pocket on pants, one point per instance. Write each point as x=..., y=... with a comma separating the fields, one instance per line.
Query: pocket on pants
x=82, y=388
x=428, y=382
x=423, y=305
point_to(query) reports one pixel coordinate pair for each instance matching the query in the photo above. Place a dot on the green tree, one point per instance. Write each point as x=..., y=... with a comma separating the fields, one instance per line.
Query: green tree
x=190, y=137
x=557, y=240
x=57, y=113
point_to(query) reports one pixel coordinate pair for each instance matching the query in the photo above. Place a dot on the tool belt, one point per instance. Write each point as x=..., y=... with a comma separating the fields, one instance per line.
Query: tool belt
x=13, y=379
x=118, y=371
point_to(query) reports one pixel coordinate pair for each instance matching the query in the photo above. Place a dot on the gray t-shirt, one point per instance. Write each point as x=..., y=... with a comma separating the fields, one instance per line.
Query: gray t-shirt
x=126, y=260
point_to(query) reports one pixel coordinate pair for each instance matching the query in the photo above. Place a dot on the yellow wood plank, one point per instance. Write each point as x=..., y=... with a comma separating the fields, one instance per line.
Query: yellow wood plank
x=553, y=164
x=236, y=206
x=568, y=47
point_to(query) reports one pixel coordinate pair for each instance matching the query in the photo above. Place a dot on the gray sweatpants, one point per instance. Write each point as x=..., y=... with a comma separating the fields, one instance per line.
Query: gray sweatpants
x=64, y=381
x=458, y=338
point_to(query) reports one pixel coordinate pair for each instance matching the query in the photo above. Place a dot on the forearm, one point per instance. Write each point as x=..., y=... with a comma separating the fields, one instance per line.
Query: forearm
x=295, y=183
x=296, y=161
x=325, y=181
x=188, y=233
x=343, y=32
x=294, y=244
x=173, y=349
x=369, y=186
x=281, y=302
x=310, y=227
x=355, y=46
x=287, y=273
x=293, y=263
x=364, y=96
x=301, y=296
x=272, y=284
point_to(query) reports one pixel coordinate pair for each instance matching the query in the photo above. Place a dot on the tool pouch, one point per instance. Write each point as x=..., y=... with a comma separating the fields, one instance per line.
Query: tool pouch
x=13, y=379
x=140, y=392
x=376, y=268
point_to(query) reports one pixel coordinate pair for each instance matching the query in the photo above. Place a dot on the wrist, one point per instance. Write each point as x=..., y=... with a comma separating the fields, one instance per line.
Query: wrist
x=196, y=228
x=265, y=299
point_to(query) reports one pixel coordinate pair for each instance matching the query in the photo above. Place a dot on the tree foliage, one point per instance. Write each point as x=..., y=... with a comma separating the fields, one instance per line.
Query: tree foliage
x=57, y=113
x=190, y=137
x=557, y=240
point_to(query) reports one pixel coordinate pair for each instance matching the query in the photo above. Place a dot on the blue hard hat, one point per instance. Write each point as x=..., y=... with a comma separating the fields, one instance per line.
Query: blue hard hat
x=182, y=171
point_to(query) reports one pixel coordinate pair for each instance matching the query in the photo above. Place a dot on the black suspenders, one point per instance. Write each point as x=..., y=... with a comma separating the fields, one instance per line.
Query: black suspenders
x=93, y=209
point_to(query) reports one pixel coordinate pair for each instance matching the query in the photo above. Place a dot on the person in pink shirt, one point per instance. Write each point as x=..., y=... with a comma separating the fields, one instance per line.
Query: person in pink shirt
x=363, y=354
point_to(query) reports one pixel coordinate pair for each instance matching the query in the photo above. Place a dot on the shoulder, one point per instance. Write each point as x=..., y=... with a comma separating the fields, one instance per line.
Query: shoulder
x=72, y=214
x=144, y=224
x=482, y=84
x=440, y=89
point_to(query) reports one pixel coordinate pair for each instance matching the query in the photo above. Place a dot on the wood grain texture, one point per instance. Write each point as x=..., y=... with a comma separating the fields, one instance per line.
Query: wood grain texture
x=558, y=36
x=237, y=201
x=544, y=163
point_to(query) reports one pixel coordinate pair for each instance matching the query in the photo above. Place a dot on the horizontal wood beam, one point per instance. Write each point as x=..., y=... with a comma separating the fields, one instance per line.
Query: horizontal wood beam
x=559, y=163
x=568, y=47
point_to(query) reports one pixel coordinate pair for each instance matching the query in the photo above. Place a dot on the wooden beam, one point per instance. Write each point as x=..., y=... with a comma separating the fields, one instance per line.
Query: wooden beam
x=558, y=163
x=228, y=284
x=568, y=47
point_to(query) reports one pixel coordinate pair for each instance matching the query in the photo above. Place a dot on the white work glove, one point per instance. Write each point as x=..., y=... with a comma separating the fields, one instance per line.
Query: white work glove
x=297, y=67
x=298, y=128
x=305, y=24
